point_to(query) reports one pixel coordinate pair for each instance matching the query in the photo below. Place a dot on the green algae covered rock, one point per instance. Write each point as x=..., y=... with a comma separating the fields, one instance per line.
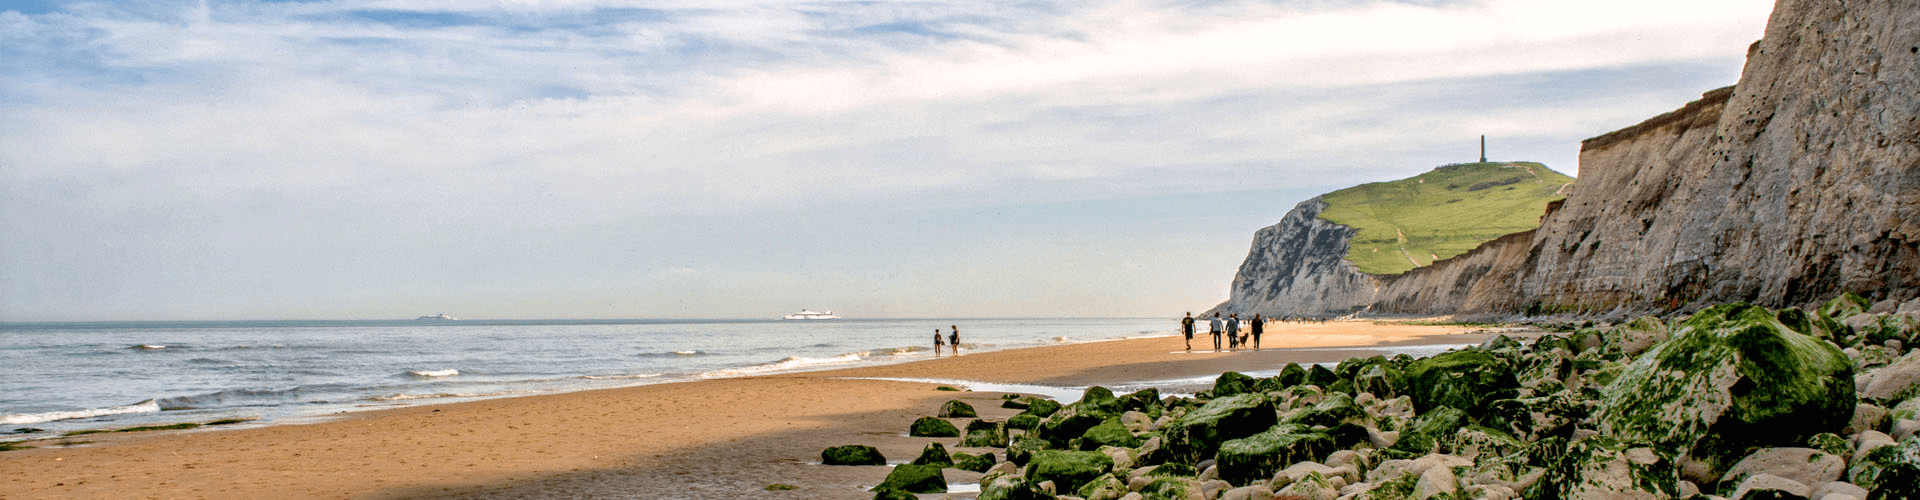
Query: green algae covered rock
x=1322, y=376
x=1170, y=488
x=858, y=454
x=1144, y=401
x=971, y=462
x=1011, y=488
x=1889, y=471
x=1289, y=376
x=1105, y=487
x=1022, y=448
x=1333, y=410
x=1067, y=469
x=985, y=434
x=1067, y=425
x=1636, y=336
x=915, y=479
x=1231, y=383
x=1731, y=379
x=1197, y=435
x=934, y=454
x=1601, y=467
x=1424, y=435
x=1098, y=401
x=1257, y=457
x=1024, y=421
x=1110, y=432
x=933, y=427
x=1382, y=380
x=891, y=493
x=1465, y=379
x=957, y=409
x=1041, y=408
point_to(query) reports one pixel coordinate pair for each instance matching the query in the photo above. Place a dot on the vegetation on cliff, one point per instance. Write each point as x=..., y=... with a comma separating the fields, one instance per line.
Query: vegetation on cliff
x=1408, y=223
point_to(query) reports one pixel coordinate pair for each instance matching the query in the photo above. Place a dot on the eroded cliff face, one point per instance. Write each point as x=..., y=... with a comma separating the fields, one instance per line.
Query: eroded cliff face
x=1299, y=267
x=1801, y=182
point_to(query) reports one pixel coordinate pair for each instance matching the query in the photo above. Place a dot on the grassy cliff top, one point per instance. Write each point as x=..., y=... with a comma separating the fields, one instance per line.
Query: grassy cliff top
x=1446, y=212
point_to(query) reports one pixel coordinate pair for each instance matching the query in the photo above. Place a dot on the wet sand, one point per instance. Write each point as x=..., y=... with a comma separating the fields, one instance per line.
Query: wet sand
x=726, y=438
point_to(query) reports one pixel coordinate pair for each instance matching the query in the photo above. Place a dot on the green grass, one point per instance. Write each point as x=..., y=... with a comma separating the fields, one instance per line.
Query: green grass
x=1442, y=213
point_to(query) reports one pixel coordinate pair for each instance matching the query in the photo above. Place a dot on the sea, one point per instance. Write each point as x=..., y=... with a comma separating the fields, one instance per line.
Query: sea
x=63, y=377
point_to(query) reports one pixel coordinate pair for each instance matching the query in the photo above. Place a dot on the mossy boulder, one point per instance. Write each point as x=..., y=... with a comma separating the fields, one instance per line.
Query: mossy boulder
x=1231, y=383
x=1067, y=469
x=891, y=493
x=1291, y=375
x=957, y=409
x=1322, y=376
x=1011, y=488
x=1889, y=471
x=1382, y=380
x=1098, y=401
x=1332, y=410
x=1022, y=448
x=1067, y=425
x=985, y=434
x=1170, y=488
x=1464, y=379
x=1197, y=435
x=1636, y=336
x=933, y=427
x=1041, y=408
x=1601, y=467
x=971, y=462
x=934, y=454
x=1427, y=430
x=1024, y=421
x=1110, y=432
x=1144, y=401
x=858, y=454
x=1105, y=487
x=915, y=479
x=1731, y=379
x=1257, y=457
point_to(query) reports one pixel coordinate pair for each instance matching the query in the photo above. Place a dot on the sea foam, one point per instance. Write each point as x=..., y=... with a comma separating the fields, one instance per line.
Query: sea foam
x=148, y=406
x=434, y=373
x=787, y=364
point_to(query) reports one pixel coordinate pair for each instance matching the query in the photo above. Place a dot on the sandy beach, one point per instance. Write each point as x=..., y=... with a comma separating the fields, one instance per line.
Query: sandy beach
x=723, y=438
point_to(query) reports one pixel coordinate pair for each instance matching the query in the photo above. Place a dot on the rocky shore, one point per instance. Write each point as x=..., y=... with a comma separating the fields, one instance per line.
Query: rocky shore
x=1735, y=401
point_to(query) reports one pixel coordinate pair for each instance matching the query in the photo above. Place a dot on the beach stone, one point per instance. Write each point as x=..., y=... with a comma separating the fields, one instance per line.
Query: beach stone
x=1806, y=466
x=1041, y=407
x=1255, y=492
x=1903, y=428
x=1024, y=421
x=1333, y=410
x=985, y=434
x=934, y=454
x=857, y=454
x=957, y=409
x=1436, y=481
x=891, y=493
x=975, y=463
x=1312, y=486
x=1380, y=380
x=1134, y=496
x=1637, y=336
x=1258, y=456
x=1010, y=487
x=1465, y=380
x=1896, y=379
x=1842, y=488
x=1110, y=432
x=1212, y=488
x=1172, y=488
x=1866, y=417
x=1145, y=401
x=1198, y=434
x=1831, y=444
x=1769, y=486
x=1888, y=470
x=1734, y=374
x=1067, y=469
x=1136, y=421
x=933, y=427
x=915, y=479
x=1601, y=468
x=1476, y=441
x=1022, y=448
x=1291, y=375
x=1106, y=487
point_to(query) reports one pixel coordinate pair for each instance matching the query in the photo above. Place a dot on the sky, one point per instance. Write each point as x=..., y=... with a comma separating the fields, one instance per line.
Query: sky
x=385, y=159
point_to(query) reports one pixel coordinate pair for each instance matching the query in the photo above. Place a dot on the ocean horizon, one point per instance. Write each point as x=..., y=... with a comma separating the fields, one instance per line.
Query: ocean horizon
x=68, y=376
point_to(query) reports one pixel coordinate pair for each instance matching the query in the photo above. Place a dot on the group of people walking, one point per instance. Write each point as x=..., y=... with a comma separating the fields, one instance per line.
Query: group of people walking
x=952, y=338
x=1236, y=338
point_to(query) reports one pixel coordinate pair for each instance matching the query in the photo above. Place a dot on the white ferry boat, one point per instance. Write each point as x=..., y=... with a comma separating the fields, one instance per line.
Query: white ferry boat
x=807, y=314
x=440, y=317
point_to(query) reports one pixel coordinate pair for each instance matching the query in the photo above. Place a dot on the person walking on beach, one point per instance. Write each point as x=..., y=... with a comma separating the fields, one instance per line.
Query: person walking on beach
x=937, y=342
x=1259, y=327
x=1213, y=327
x=954, y=338
x=1186, y=327
x=1233, y=330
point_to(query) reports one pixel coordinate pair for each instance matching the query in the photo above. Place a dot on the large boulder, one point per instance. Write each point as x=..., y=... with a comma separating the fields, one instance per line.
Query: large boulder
x=1464, y=379
x=1896, y=381
x=985, y=434
x=1637, y=336
x=1231, y=383
x=957, y=409
x=1382, y=380
x=1335, y=409
x=933, y=427
x=1255, y=457
x=934, y=454
x=1197, y=435
x=1889, y=471
x=914, y=479
x=971, y=462
x=1109, y=433
x=1732, y=379
x=1067, y=469
x=1425, y=434
x=1604, y=469
x=1804, y=465
x=858, y=454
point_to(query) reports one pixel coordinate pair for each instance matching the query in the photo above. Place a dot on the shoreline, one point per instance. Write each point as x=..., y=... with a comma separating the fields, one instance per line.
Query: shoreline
x=728, y=437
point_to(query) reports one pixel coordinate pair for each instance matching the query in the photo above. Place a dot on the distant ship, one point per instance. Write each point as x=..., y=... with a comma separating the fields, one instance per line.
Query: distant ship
x=441, y=317
x=806, y=314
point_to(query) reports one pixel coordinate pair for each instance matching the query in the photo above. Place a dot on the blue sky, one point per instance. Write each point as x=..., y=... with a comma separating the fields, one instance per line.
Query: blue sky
x=743, y=158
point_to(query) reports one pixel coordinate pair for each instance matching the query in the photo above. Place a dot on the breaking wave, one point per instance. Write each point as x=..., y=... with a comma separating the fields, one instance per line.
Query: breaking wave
x=148, y=406
x=434, y=373
x=789, y=364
